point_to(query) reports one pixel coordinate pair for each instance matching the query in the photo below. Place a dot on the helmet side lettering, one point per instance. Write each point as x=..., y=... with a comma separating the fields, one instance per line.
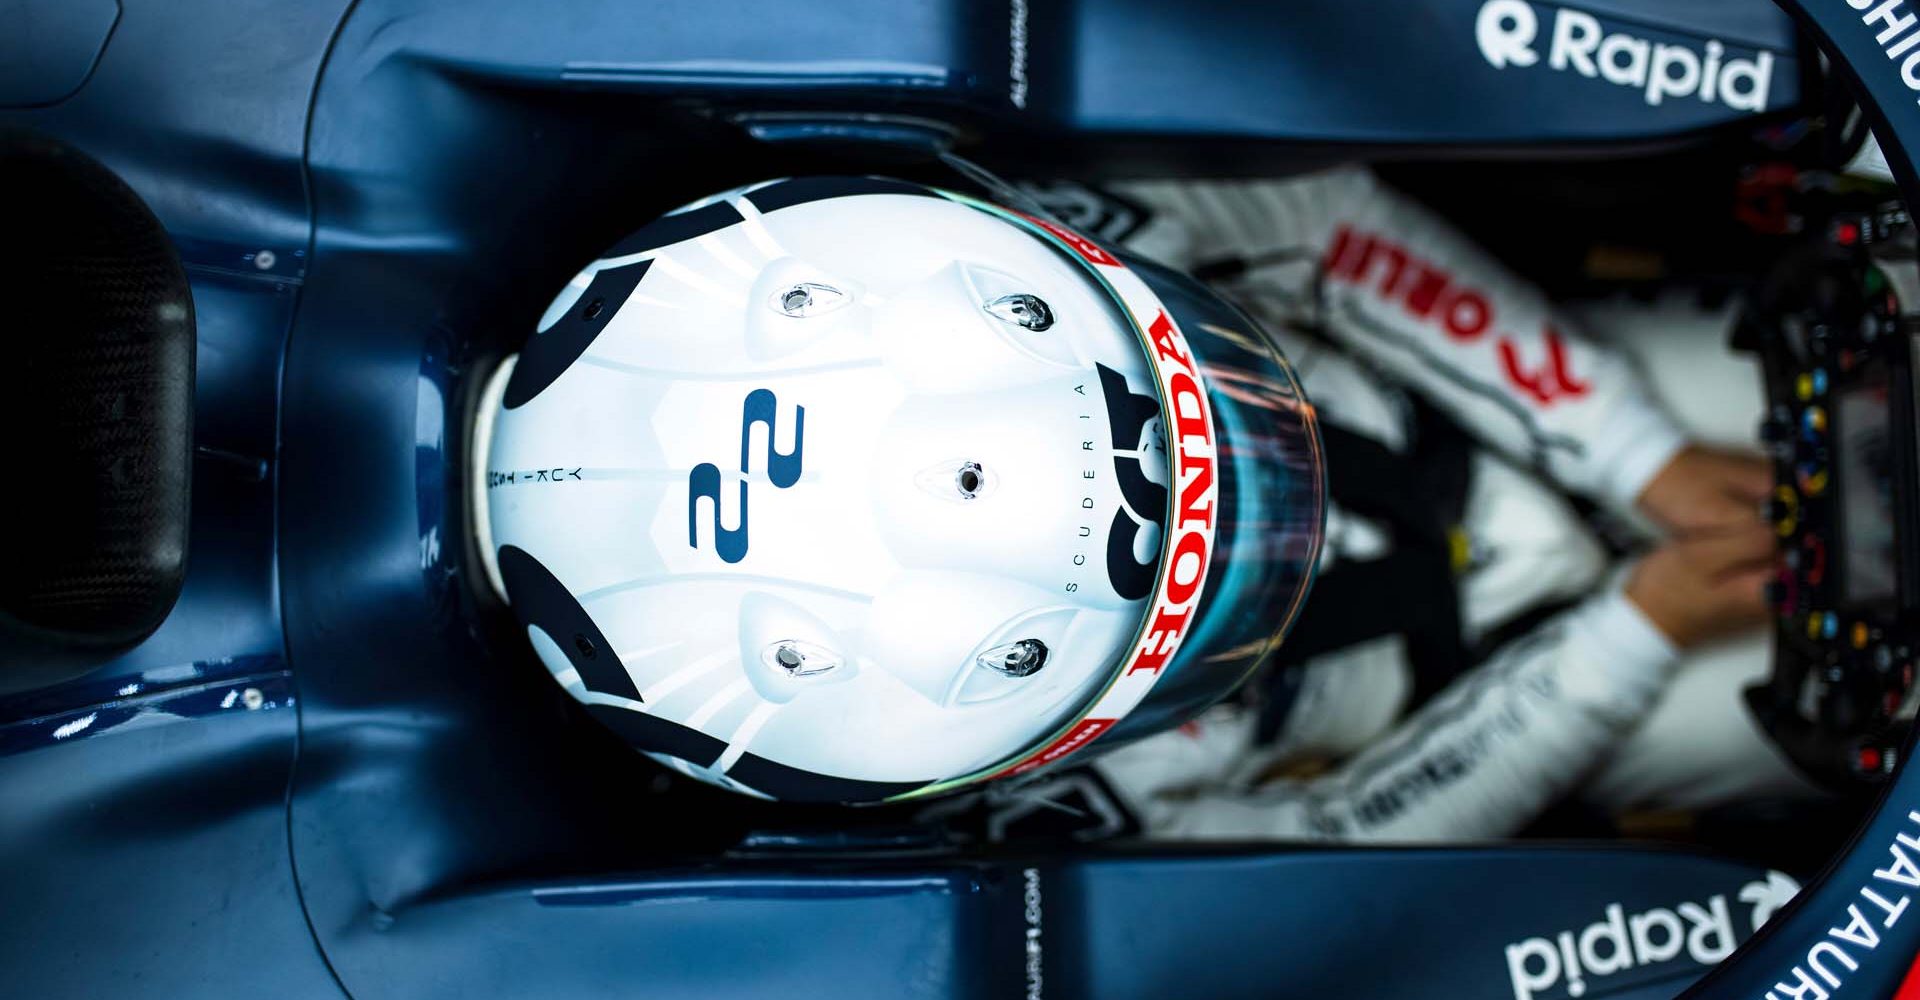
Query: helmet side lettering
x=1079, y=736
x=1086, y=248
x=511, y=477
x=1163, y=638
x=1190, y=553
x=783, y=470
x=1182, y=578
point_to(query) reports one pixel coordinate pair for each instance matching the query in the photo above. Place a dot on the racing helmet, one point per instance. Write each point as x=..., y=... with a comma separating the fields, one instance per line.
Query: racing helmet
x=851, y=489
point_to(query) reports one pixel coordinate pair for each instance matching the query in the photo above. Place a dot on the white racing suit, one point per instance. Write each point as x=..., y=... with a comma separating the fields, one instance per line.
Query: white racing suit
x=1404, y=303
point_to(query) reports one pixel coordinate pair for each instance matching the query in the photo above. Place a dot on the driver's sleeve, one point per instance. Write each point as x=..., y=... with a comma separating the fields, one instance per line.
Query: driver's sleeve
x=1479, y=761
x=1401, y=288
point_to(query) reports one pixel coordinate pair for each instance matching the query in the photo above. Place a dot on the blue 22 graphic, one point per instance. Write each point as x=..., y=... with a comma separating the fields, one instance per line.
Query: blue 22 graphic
x=783, y=470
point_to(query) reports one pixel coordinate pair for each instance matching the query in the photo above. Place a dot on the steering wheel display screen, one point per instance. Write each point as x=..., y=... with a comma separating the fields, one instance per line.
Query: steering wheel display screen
x=1864, y=463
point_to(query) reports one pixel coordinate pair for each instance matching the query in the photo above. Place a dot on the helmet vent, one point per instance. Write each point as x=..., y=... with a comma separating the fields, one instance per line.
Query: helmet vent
x=799, y=659
x=1022, y=310
x=808, y=298
x=968, y=479
x=1016, y=659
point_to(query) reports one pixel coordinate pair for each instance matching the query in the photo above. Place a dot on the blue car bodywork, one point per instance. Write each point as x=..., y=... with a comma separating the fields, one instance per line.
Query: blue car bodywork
x=321, y=777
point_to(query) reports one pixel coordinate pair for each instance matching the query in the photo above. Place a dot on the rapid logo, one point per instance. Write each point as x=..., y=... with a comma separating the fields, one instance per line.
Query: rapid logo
x=783, y=470
x=1507, y=30
x=1620, y=941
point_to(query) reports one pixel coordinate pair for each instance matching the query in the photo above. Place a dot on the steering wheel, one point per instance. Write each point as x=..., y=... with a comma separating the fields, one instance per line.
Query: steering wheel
x=1848, y=933
x=1834, y=326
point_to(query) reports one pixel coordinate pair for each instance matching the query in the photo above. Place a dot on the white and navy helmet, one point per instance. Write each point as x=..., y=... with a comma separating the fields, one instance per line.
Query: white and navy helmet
x=850, y=489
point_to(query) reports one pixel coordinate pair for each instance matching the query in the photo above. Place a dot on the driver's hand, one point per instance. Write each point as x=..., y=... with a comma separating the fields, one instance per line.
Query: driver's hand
x=1707, y=490
x=1702, y=587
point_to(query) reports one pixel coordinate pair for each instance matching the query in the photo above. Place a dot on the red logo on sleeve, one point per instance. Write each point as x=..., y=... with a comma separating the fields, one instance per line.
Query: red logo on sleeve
x=1551, y=380
x=1433, y=295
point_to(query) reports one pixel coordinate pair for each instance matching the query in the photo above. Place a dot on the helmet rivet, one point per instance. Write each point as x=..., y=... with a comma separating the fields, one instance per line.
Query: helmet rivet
x=1022, y=310
x=593, y=309
x=794, y=299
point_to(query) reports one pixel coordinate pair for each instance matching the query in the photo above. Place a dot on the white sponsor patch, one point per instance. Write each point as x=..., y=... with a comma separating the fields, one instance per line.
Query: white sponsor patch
x=1509, y=34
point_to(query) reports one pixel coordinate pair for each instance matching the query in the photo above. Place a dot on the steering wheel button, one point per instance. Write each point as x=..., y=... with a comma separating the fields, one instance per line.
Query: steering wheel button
x=1783, y=509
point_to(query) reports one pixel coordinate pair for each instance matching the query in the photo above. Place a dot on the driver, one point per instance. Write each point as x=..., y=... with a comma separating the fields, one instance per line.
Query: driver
x=1468, y=657
x=854, y=490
